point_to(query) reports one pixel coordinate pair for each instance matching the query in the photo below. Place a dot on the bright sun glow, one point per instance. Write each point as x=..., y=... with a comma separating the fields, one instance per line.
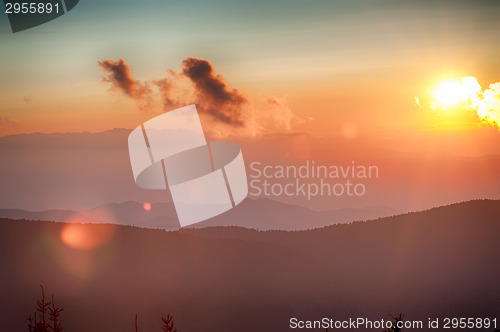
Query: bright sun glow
x=467, y=94
x=451, y=93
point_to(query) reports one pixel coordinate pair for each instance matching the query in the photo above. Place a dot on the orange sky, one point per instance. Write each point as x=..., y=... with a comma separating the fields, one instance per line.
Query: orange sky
x=337, y=67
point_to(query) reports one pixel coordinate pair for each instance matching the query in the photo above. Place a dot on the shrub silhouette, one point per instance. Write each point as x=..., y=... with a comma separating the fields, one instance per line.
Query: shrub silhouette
x=168, y=324
x=395, y=321
x=48, y=316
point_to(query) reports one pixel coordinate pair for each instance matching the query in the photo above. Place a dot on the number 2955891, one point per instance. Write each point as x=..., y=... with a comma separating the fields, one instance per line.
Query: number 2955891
x=31, y=8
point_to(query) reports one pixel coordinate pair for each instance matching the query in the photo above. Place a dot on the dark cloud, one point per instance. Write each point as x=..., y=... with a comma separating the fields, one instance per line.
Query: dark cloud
x=227, y=109
x=120, y=75
x=198, y=83
x=208, y=83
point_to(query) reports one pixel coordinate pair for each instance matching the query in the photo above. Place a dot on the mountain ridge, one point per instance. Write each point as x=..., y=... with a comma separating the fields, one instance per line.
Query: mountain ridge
x=433, y=264
x=271, y=215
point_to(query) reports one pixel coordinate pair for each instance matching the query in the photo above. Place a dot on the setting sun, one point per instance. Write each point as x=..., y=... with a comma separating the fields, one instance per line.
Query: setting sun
x=451, y=93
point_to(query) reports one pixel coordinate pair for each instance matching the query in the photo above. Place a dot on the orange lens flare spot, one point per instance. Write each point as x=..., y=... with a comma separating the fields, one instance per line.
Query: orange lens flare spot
x=147, y=206
x=86, y=236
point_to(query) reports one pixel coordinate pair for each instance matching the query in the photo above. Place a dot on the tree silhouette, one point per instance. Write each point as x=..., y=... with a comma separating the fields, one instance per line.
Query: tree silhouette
x=54, y=313
x=48, y=316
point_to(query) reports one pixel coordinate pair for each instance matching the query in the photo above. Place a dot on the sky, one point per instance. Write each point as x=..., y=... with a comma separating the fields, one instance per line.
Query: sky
x=334, y=64
x=331, y=81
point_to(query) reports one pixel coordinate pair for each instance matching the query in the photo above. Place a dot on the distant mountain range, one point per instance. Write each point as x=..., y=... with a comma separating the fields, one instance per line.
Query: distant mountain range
x=74, y=171
x=261, y=214
x=439, y=263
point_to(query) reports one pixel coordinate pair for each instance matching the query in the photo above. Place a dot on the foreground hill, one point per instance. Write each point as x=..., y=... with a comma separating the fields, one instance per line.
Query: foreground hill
x=444, y=262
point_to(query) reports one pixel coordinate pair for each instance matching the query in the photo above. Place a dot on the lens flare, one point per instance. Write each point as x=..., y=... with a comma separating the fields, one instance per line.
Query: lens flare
x=86, y=236
x=147, y=206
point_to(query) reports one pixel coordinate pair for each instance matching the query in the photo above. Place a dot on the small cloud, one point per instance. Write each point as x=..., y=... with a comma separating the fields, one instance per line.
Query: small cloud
x=174, y=90
x=417, y=102
x=119, y=74
x=488, y=106
x=28, y=99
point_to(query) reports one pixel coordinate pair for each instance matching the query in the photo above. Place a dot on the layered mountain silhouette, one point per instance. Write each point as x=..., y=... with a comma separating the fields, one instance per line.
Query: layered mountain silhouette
x=262, y=214
x=439, y=263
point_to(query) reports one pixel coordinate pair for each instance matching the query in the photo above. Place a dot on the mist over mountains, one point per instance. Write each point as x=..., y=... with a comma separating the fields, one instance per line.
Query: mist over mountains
x=261, y=214
x=78, y=171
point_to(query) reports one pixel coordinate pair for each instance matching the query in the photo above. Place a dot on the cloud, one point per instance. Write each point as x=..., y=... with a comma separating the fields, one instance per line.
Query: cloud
x=119, y=74
x=198, y=83
x=488, y=107
x=279, y=112
x=214, y=95
x=227, y=110
x=28, y=99
x=175, y=90
x=417, y=102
